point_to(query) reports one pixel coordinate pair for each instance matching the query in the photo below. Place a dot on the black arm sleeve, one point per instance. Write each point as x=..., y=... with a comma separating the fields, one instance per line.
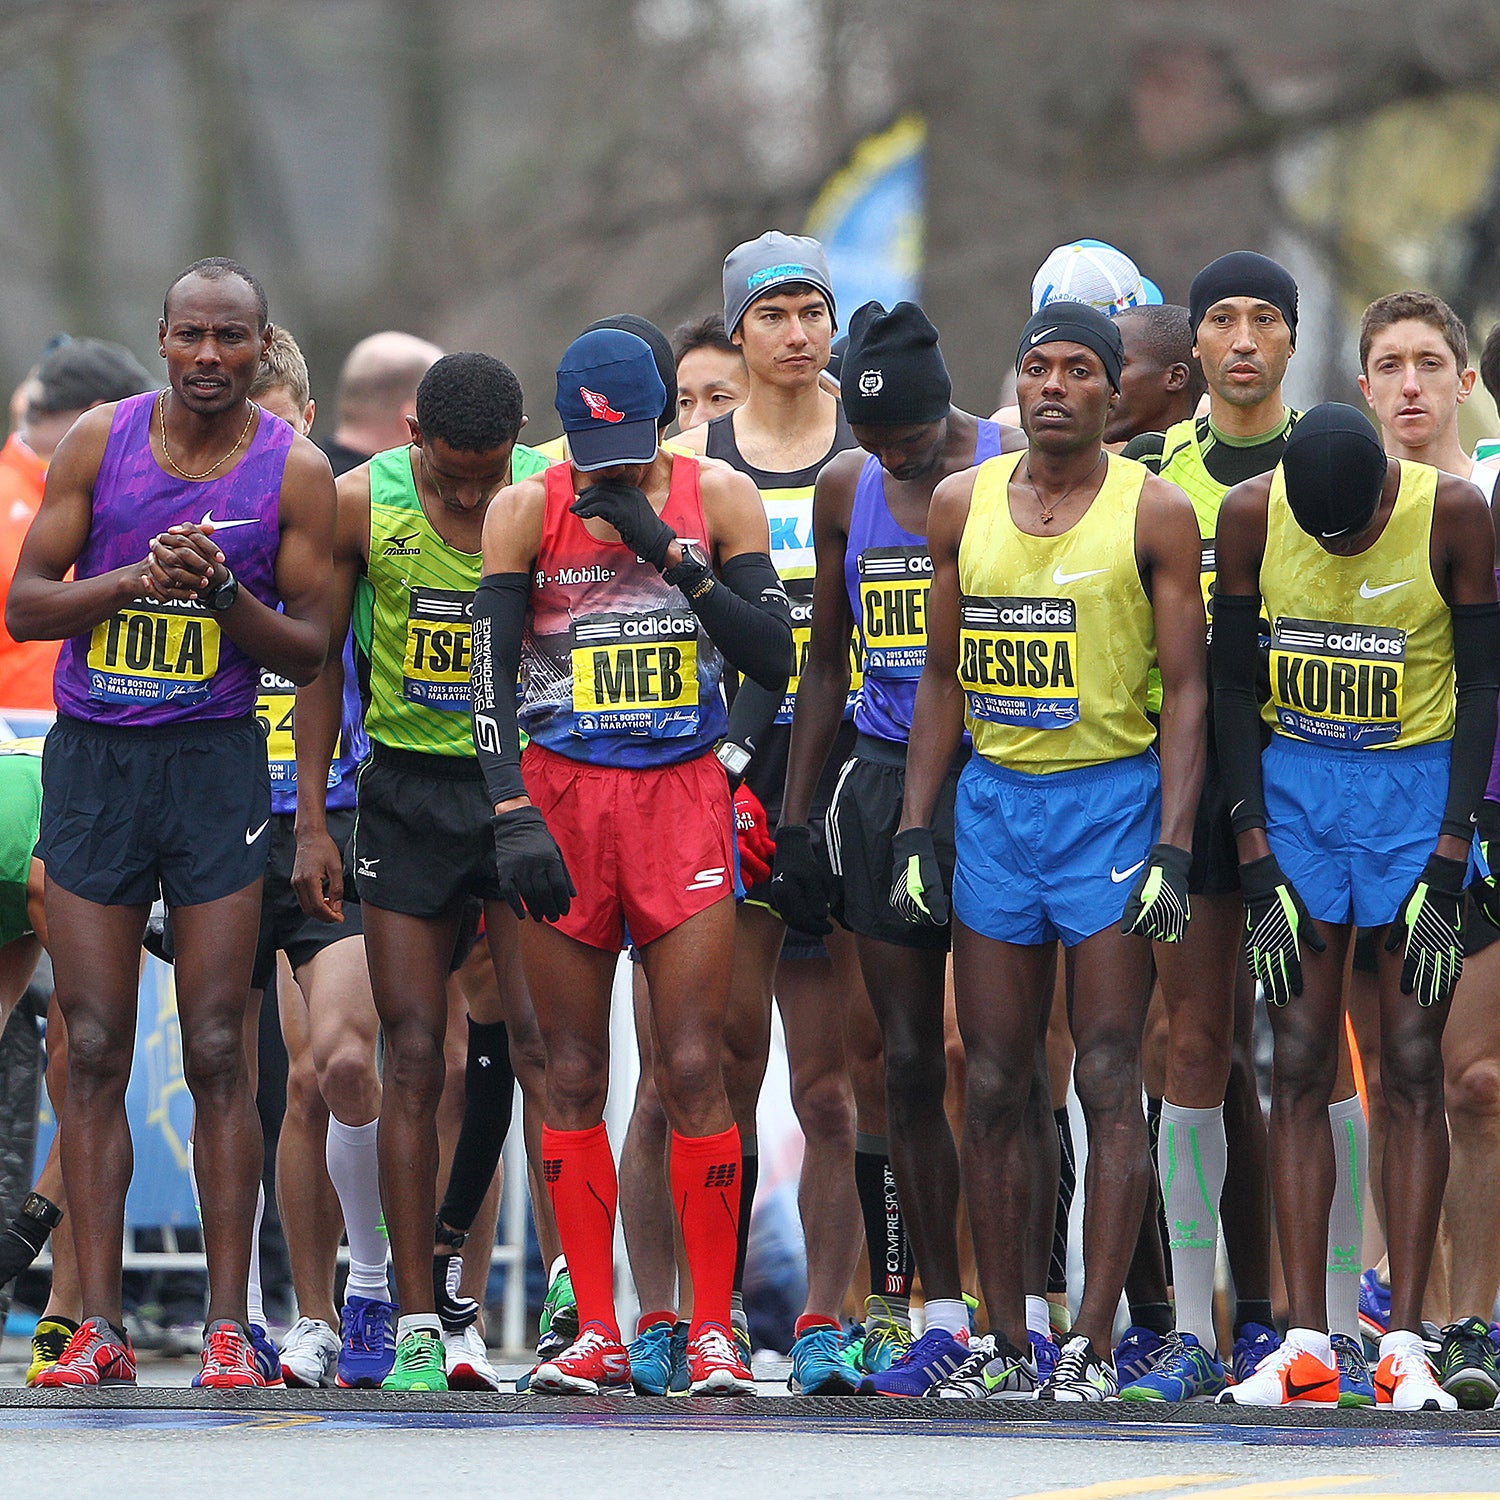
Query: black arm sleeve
x=747, y=617
x=1232, y=657
x=1476, y=671
x=752, y=712
x=494, y=665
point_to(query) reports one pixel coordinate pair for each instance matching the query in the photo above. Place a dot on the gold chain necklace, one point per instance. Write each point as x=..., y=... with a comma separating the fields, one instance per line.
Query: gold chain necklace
x=161, y=411
x=1049, y=511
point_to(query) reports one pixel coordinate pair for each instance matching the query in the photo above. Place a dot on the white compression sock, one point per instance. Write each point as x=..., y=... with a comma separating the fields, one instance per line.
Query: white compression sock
x=1346, y=1218
x=1038, y=1316
x=1190, y=1158
x=354, y=1170
x=948, y=1313
x=255, y=1308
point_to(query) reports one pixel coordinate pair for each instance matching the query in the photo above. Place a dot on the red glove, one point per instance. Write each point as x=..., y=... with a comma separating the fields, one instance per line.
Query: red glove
x=756, y=844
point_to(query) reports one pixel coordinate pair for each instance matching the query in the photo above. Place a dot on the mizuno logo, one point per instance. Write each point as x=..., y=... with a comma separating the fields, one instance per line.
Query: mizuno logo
x=1062, y=579
x=252, y=835
x=367, y=867
x=1042, y=333
x=1118, y=875
x=208, y=520
x=1366, y=592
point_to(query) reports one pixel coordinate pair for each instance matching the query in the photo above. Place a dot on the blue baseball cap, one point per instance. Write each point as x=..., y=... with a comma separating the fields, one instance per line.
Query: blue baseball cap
x=610, y=398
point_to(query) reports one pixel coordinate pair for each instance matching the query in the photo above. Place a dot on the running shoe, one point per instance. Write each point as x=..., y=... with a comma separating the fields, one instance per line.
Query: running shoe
x=1044, y=1354
x=594, y=1364
x=1080, y=1375
x=1466, y=1365
x=309, y=1355
x=466, y=1361
x=1186, y=1371
x=883, y=1339
x=1405, y=1379
x=557, y=1327
x=267, y=1357
x=421, y=1363
x=994, y=1371
x=1290, y=1375
x=367, y=1342
x=94, y=1355
x=1138, y=1350
x=651, y=1359
x=230, y=1362
x=930, y=1360
x=1253, y=1343
x=677, y=1384
x=1355, y=1386
x=715, y=1366
x=1374, y=1305
x=48, y=1340
x=818, y=1367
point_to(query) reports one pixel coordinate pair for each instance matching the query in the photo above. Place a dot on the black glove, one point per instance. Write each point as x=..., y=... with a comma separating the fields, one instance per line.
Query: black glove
x=801, y=882
x=1275, y=918
x=22, y=1239
x=1430, y=924
x=455, y=1311
x=533, y=877
x=628, y=510
x=1158, y=906
x=917, y=894
x=1485, y=889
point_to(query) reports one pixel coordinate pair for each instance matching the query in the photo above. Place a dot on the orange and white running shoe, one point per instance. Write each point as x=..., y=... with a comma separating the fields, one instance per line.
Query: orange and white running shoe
x=1302, y=1372
x=596, y=1363
x=95, y=1355
x=1405, y=1379
x=715, y=1365
x=228, y=1359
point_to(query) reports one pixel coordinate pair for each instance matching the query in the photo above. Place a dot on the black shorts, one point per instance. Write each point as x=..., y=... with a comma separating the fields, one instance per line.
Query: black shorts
x=1215, y=869
x=766, y=777
x=284, y=926
x=862, y=822
x=422, y=843
x=182, y=810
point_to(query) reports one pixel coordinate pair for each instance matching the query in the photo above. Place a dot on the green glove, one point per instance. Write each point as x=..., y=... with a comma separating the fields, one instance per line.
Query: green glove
x=1430, y=923
x=1275, y=918
x=1158, y=907
x=917, y=893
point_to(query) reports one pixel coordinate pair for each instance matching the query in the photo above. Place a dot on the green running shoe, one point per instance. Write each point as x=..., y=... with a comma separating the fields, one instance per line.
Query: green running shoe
x=420, y=1365
x=1466, y=1365
x=557, y=1327
x=883, y=1341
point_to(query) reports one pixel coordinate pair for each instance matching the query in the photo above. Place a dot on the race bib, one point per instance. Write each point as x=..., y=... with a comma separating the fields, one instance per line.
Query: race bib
x=1337, y=684
x=893, y=584
x=153, y=652
x=1018, y=661
x=436, y=665
x=274, y=708
x=635, y=674
x=799, y=593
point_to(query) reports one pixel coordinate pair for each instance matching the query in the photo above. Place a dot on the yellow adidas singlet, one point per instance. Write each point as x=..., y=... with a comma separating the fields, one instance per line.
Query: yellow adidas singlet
x=1056, y=633
x=1361, y=646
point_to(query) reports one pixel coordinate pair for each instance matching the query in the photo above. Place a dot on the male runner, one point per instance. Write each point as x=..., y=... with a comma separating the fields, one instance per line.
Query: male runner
x=1161, y=381
x=1489, y=376
x=711, y=377
x=1243, y=311
x=779, y=312
x=615, y=628
x=377, y=395
x=870, y=531
x=1060, y=578
x=406, y=563
x=185, y=516
x=1377, y=577
x=1414, y=363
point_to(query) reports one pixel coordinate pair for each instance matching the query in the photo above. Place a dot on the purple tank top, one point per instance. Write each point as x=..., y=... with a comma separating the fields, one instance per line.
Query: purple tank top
x=887, y=571
x=154, y=663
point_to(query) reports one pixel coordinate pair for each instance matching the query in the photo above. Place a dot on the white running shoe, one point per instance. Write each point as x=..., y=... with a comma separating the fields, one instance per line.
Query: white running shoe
x=309, y=1355
x=1405, y=1379
x=1301, y=1372
x=468, y=1361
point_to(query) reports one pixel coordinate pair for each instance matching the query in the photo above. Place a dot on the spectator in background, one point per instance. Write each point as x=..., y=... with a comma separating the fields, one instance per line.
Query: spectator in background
x=377, y=393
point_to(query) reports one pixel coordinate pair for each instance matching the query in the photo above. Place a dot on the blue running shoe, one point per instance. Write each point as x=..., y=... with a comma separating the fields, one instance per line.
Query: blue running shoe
x=1186, y=1371
x=818, y=1367
x=929, y=1361
x=367, y=1342
x=680, y=1379
x=651, y=1360
x=1044, y=1352
x=1355, y=1385
x=1136, y=1353
x=1254, y=1342
x=267, y=1355
x=1374, y=1306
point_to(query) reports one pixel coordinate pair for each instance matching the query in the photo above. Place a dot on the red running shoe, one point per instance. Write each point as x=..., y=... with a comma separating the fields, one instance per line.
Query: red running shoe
x=594, y=1364
x=715, y=1365
x=228, y=1359
x=95, y=1355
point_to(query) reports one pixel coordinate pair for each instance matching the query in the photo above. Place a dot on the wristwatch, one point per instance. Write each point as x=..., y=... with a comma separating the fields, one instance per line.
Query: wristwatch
x=734, y=758
x=219, y=596
x=43, y=1210
x=694, y=575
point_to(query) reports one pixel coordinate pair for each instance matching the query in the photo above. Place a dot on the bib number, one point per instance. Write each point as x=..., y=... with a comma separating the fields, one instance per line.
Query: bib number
x=893, y=584
x=435, y=669
x=149, y=653
x=1018, y=661
x=1338, y=684
x=635, y=674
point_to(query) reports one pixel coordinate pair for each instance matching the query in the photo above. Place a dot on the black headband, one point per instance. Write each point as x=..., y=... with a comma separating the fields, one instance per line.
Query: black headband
x=1243, y=273
x=1333, y=469
x=1075, y=323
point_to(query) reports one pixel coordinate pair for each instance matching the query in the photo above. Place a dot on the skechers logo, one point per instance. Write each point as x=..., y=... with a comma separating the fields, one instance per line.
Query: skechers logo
x=706, y=880
x=401, y=546
x=722, y=1175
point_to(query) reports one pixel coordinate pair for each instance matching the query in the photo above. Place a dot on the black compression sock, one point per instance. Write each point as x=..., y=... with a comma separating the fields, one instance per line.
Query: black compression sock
x=1156, y=1316
x=891, y=1267
x=1067, y=1180
x=489, y=1089
x=1252, y=1310
x=749, y=1176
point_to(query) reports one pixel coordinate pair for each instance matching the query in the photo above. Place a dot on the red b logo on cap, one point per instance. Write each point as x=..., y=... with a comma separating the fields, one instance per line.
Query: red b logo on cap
x=599, y=407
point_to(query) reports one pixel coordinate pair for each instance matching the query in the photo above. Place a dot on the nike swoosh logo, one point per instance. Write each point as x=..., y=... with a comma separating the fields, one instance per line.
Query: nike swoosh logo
x=208, y=520
x=1118, y=875
x=1366, y=592
x=1062, y=579
x=1045, y=333
x=1296, y=1390
x=250, y=838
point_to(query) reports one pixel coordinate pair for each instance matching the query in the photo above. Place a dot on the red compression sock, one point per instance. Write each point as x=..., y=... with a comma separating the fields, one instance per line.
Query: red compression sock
x=579, y=1169
x=706, y=1194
